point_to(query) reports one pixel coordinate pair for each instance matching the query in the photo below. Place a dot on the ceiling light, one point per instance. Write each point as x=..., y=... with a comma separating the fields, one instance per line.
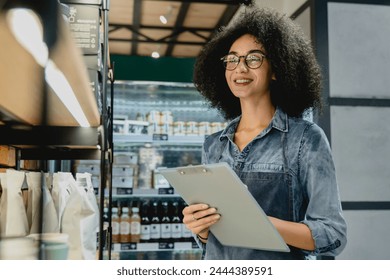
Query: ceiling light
x=155, y=54
x=163, y=19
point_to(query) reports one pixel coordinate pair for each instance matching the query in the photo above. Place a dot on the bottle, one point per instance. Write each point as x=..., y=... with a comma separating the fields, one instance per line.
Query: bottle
x=186, y=233
x=155, y=226
x=135, y=225
x=145, y=223
x=166, y=226
x=176, y=223
x=124, y=229
x=115, y=223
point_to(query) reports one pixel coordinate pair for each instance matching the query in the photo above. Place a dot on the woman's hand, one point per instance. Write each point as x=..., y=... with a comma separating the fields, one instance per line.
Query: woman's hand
x=198, y=218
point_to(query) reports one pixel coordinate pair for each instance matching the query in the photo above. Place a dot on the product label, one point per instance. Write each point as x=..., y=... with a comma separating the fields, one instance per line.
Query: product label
x=115, y=228
x=176, y=230
x=135, y=228
x=124, y=228
x=145, y=232
x=155, y=231
x=166, y=231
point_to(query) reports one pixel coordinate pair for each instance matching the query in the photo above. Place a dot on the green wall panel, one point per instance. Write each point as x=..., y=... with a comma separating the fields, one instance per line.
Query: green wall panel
x=144, y=68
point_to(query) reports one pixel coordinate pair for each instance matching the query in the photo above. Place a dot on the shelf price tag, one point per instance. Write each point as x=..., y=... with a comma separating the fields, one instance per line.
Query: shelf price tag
x=194, y=245
x=160, y=137
x=129, y=246
x=169, y=190
x=126, y=191
x=166, y=245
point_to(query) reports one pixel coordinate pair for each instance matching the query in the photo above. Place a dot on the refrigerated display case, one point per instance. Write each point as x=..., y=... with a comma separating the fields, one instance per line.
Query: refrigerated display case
x=157, y=125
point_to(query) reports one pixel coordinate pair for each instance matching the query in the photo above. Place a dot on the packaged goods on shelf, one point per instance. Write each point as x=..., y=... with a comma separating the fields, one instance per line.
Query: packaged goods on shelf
x=179, y=128
x=28, y=164
x=69, y=206
x=149, y=159
x=119, y=126
x=178, y=122
x=204, y=128
x=124, y=182
x=7, y=156
x=216, y=126
x=95, y=182
x=134, y=127
x=124, y=170
x=93, y=169
x=125, y=158
x=192, y=128
x=13, y=215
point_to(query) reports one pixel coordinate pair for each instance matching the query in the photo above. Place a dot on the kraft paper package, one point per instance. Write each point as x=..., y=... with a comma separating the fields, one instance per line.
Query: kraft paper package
x=36, y=192
x=13, y=217
x=74, y=215
x=91, y=223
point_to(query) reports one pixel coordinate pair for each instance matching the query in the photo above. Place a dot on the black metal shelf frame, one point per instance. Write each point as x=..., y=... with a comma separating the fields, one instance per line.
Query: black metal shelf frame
x=45, y=142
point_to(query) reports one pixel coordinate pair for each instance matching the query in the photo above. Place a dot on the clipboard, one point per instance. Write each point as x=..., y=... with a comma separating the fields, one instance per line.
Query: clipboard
x=243, y=222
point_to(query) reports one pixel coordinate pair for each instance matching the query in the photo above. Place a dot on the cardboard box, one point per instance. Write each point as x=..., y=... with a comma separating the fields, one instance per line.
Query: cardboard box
x=123, y=182
x=32, y=165
x=84, y=22
x=7, y=156
x=93, y=169
x=90, y=2
x=125, y=158
x=124, y=170
x=94, y=81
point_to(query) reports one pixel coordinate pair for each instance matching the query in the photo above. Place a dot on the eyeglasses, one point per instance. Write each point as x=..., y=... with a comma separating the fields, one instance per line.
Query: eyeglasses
x=252, y=60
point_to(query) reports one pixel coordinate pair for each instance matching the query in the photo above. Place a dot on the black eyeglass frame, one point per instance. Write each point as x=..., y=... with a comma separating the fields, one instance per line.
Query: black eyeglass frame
x=245, y=57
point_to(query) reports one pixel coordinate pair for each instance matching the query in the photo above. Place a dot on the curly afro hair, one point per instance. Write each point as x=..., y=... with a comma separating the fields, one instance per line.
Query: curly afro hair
x=298, y=75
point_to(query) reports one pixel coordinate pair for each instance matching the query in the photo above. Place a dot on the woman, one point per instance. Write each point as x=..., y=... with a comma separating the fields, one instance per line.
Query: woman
x=262, y=75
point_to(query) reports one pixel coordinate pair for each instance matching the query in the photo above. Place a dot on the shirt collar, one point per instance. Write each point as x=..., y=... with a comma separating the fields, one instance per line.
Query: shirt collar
x=279, y=122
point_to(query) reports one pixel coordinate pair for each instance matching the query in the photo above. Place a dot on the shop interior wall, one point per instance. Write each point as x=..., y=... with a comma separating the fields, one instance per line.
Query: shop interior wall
x=353, y=41
x=144, y=68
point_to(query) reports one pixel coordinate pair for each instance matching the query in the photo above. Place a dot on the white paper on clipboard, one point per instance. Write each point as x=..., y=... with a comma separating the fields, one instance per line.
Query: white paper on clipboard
x=243, y=222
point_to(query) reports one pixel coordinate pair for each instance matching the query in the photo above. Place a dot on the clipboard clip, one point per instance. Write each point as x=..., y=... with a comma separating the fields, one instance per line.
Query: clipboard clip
x=193, y=170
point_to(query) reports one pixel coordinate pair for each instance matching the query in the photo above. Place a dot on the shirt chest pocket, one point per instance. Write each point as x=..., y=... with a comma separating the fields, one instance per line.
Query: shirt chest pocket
x=272, y=191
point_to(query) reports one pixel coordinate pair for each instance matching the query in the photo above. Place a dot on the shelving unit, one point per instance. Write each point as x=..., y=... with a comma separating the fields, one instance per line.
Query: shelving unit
x=137, y=100
x=34, y=121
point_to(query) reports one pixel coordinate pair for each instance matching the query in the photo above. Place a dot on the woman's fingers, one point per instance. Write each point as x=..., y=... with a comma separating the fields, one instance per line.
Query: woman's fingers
x=199, y=217
x=194, y=208
x=203, y=223
x=196, y=212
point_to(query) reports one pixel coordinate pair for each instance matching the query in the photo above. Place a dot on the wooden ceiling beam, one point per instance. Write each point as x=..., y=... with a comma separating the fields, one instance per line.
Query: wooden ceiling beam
x=178, y=24
x=136, y=24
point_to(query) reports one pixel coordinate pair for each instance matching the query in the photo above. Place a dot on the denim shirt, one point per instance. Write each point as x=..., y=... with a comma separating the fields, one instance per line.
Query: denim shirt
x=294, y=156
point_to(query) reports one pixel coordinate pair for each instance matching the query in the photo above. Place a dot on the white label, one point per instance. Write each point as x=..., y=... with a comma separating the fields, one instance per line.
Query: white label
x=155, y=231
x=115, y=228
x=145, y=232
x=176, y=230
x=124, y=228
x=166, y=231
x=135, y=228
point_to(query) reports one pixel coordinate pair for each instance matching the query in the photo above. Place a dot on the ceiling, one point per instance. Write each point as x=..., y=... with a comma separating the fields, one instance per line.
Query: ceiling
x=135, y=27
